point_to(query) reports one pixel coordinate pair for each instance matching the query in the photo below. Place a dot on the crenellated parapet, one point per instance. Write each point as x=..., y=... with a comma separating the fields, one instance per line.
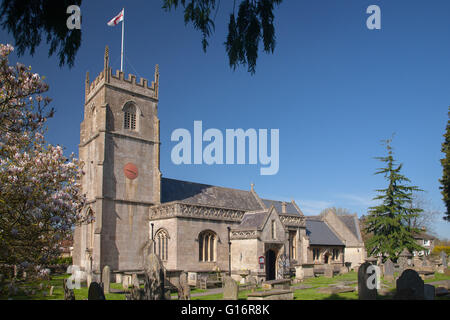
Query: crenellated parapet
x=118, y=80
x=180, y=209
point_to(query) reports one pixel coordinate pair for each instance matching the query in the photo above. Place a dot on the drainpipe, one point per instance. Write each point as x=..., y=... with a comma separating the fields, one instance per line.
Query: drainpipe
x=229, y=252
x=154, y=247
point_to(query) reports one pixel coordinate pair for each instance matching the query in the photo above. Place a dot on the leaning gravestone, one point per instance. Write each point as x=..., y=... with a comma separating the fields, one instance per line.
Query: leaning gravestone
x=184, y=290
x=364, y=292
x=106, y=278
x=230, y=289
x=389, y=270
x=410, y=286
x=95, y=292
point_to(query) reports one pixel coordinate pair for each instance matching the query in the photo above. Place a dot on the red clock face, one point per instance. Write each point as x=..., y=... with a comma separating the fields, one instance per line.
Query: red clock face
x=131, y=171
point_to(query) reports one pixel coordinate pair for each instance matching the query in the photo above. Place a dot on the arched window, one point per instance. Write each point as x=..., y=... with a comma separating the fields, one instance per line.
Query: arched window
x=207, y=243
x=129, y=117
x=162, y=244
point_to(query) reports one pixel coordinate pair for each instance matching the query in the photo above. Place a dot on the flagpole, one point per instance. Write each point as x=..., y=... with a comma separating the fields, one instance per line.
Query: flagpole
x=121, y=54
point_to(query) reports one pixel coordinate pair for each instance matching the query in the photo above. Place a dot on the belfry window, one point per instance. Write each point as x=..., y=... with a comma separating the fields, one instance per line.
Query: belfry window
x=207, y=246
x=162, y=244
x=129, y=117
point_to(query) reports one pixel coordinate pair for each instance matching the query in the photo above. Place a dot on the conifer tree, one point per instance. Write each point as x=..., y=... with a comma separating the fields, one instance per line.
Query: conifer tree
x=389, y=222
x=445, y=162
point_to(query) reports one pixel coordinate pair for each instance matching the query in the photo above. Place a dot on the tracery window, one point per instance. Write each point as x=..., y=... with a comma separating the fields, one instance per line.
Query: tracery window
x=162, y=244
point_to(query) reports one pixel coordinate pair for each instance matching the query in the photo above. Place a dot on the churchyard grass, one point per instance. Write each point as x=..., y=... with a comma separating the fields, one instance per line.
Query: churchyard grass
x=299, y=294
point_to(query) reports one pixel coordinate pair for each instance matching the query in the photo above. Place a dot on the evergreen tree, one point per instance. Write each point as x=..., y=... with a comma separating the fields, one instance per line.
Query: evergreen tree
x=389, y=223
x=445, y=162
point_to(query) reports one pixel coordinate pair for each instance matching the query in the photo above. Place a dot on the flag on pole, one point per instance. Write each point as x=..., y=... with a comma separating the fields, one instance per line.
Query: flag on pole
x=115, y=21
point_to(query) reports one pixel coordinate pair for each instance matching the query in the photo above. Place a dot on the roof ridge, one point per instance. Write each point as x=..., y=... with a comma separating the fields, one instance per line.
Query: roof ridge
x=208, y=185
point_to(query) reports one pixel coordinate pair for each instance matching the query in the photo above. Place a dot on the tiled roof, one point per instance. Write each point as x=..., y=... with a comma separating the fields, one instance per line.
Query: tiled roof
x=319, y=233
x=253, y=220
x=290, y=208
x=423, y=235
x=203, y=194
x=351, y=222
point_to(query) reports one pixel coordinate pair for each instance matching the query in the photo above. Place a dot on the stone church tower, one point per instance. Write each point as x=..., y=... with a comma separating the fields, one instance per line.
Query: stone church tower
x=119, y=145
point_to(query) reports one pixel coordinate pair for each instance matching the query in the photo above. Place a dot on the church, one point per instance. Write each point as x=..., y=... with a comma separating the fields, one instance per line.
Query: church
x=195, y=227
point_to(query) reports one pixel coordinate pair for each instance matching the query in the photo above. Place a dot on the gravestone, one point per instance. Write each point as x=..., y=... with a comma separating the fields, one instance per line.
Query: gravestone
x=429, y=292
x=328, y=271
x=364, y=292
x=410, y=286
x=184, y=290
x=95, y=292
x=192, y=278
x=126, y=281
x=403, y=259
x=135, y=281
x=106, y=278
x=51, y=290
x=444, y=259
x=230, y=289
x=154, y=278
x=418, y=263
x=389, y=270
x=252, y=283
x=68, y=293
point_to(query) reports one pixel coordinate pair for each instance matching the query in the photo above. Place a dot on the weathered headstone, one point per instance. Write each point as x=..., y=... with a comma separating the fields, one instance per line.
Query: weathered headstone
x=253, y=283
x=418, y=263
x=328, y=271
x=410, y=286
x=403, y=260
x=444, y=258
x=106, y=278
x=96, y=292
x=389, y=270
x=126, y=281
x=154, y=279
x=184, y=290
x=230, y=289
x=68, y=293
x=135, y=281
x=192, y=278
x=51, y=290
x=364, y=292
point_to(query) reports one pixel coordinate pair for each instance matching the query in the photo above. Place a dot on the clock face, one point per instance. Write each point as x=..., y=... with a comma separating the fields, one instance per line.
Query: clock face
x=131, y=171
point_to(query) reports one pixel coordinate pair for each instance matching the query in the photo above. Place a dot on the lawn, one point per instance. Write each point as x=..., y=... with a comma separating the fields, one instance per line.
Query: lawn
x=299, y=294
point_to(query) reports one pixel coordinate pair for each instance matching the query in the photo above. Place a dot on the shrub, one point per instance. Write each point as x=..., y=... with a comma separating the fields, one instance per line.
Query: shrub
x=437, y=250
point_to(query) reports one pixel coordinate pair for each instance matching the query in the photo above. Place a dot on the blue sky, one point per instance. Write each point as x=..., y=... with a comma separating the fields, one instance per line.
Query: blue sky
x=333, y=88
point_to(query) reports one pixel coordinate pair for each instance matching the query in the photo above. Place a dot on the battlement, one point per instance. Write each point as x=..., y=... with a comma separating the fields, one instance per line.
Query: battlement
x=118, y=80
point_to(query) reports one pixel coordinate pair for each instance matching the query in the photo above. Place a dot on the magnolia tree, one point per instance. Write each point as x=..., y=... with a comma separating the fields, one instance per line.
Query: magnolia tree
x=40, y=193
